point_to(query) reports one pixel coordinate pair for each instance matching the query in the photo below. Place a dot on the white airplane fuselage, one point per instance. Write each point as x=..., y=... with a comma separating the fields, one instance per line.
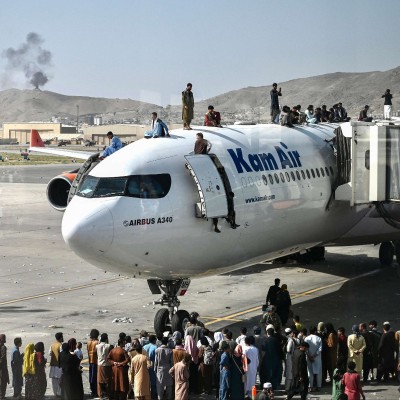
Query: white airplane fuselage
x=282, y=181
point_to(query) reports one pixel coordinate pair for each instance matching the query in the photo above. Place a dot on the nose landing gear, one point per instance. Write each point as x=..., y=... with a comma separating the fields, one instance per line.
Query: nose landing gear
x=170, y=318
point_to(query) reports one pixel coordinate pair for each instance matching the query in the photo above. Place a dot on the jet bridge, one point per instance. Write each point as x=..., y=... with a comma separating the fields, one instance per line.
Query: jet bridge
x=368, y=161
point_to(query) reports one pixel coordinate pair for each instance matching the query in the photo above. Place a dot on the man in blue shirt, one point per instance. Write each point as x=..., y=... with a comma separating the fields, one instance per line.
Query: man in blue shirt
x=158, y=128
x=115, y=145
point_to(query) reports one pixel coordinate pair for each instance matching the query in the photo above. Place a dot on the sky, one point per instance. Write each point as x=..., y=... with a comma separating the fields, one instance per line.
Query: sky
x=148, y=50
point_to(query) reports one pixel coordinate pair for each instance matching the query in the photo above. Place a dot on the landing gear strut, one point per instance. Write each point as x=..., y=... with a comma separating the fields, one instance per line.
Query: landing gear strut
x=170, y=318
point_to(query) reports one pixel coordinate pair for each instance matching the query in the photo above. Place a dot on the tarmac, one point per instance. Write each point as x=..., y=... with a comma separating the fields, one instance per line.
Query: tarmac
x=46, y=288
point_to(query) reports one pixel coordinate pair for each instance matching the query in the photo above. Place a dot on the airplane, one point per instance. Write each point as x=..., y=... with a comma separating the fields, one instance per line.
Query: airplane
x=149, y=209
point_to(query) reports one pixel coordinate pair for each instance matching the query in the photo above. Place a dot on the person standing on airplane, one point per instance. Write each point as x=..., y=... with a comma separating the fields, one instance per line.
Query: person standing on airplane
x=187, y=106
x=115, y=145
x=158, y=128
x=387, y=107
x=275, y=102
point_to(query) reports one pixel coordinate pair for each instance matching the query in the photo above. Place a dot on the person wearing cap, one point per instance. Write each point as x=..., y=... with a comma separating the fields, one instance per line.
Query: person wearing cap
x=212, y=118
x=388, y=353
x=290, y=347
x=271, y=367
x=363, y=116
x=267, y=392
x=4, y=377
x=272, y=291
x=314, y=361
x=272, y=318
x=300, y=372
x=356, y=344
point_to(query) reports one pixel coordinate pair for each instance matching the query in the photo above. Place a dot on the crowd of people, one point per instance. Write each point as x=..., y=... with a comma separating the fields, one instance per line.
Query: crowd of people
x=173, y=365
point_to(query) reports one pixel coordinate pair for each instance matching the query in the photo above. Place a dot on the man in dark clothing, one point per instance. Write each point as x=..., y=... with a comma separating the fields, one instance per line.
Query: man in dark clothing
x=272, y=291
x=387, y=105
x=387, y=349
x=300, y=372
x=4, y=379
x=367, y=354
x=275, y=102
x=271, y=366
x=364, y=115
x=17, y=360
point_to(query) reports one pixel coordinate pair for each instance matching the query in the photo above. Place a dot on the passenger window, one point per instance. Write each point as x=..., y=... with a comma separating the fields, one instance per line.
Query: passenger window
x=322, y=172
x=331, y=169
x=303, y=174
x=317, y=171
x=265, y=180
x=312, y=173
x=327, y=171
x=293, y=177
x=308, y=174
x=282, y=177
x=276, y=178
x=298, y=175
x=271, y=179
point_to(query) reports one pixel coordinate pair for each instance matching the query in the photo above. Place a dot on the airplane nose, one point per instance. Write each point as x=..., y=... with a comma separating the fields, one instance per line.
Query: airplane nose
x=87, y=229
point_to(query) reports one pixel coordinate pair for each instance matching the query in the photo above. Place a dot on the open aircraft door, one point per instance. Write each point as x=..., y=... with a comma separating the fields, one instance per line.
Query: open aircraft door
x=213, y=200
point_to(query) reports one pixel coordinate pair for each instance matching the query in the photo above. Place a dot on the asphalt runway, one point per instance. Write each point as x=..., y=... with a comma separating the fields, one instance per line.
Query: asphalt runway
x=46, y=288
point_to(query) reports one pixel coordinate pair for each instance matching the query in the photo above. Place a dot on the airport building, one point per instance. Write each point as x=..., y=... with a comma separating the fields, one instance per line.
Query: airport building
x=20, y=132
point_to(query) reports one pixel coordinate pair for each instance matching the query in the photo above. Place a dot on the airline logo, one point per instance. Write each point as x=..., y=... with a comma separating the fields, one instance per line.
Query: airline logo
x=283, y=159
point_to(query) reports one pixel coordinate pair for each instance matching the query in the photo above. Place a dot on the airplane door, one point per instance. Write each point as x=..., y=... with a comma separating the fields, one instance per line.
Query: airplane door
x=213, y=201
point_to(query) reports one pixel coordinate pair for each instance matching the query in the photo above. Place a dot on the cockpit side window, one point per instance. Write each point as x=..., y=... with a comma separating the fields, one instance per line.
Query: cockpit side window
x=140, y=186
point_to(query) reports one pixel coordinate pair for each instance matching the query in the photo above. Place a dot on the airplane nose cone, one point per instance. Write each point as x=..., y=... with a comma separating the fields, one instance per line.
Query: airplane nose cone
x=88, y=230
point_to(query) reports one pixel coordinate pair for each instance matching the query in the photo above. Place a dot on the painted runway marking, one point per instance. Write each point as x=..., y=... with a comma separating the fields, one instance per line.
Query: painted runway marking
x=295, y=296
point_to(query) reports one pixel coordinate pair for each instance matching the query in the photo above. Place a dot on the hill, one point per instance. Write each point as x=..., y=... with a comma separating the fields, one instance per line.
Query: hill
x=354, y=90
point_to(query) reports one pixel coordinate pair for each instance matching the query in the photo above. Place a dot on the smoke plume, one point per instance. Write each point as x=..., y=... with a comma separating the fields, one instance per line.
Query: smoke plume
x=29, y=58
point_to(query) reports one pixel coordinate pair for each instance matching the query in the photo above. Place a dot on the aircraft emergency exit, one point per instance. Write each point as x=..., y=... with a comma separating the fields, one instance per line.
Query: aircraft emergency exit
x=147, y=210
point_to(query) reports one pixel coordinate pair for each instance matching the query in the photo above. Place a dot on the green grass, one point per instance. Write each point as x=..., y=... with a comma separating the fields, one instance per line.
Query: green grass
x=34, y=159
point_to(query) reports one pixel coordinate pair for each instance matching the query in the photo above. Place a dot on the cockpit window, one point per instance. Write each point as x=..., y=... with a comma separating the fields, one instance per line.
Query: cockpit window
x=141, y=186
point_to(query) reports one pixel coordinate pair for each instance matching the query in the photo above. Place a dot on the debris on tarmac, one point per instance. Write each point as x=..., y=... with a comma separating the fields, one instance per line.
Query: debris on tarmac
x=102, y=311
x=122, y=320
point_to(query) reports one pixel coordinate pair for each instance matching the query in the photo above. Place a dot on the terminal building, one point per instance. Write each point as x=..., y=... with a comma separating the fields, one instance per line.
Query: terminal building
x=20, y=132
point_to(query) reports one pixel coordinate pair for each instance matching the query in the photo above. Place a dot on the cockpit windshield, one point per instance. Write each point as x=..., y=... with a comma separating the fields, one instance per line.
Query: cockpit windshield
x=140, y=186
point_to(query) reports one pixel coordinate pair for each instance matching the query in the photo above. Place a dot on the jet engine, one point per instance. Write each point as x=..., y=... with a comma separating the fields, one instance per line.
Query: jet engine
x=58, y=190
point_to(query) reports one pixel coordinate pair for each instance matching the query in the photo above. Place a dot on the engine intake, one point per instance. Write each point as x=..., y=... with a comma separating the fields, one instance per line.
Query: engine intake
x=58, y=190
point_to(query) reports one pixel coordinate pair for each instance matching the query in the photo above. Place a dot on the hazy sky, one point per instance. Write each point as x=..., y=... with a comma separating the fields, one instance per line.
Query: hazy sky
x=148, y=50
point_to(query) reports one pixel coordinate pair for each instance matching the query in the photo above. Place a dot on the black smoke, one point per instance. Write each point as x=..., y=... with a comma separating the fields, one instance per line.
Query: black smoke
x=31, y=59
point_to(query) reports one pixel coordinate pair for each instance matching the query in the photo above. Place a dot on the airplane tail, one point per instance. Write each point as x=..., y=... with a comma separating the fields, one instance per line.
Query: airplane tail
x=36, y=140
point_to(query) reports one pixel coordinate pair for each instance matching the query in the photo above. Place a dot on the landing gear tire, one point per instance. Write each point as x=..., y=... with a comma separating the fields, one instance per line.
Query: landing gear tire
x=161, y=321
x=386, y=254
x=178, y=321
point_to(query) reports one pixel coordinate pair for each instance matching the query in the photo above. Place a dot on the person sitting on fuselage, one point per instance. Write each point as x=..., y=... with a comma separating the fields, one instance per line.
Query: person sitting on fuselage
x=158, y=128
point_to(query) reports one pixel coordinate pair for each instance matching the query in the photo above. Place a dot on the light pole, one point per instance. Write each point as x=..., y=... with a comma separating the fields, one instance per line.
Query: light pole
x=77, y=119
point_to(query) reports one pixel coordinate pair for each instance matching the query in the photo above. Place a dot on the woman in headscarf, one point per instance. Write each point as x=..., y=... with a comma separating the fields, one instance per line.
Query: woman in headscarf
x=172, y=341
x=34, y=371
x=191, y=348
x=238, y=373
x=332, y=343
x=28, y=371
x=72, y=387
x=357, y=345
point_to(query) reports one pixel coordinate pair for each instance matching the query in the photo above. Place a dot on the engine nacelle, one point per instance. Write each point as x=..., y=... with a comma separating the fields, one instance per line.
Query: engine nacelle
x=58, y=190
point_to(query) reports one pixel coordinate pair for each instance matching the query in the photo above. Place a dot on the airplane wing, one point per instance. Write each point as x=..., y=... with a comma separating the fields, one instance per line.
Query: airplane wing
x=37, y=146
